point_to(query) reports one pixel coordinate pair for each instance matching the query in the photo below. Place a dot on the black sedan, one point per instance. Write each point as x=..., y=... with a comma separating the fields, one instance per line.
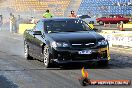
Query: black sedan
x=65, y=40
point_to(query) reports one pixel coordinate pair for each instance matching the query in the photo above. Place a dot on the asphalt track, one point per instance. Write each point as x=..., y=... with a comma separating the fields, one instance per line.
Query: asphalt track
x=17, y=72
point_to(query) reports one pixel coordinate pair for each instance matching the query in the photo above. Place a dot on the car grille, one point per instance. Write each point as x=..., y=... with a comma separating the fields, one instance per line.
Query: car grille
x=83, y=45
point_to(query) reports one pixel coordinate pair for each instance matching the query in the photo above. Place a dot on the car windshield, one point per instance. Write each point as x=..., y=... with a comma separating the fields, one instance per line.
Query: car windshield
x=84, y=16
x=66, y=26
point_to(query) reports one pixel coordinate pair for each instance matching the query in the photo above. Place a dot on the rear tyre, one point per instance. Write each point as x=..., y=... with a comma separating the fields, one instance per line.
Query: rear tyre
x=103, y=63
x=91, y=22
x=46, y=58
x=26, y=52
x=121, y=22
x=101, y=23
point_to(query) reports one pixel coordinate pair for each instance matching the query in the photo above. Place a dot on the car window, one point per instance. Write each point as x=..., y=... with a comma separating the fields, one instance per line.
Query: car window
x=39, y=26
x=66, y=26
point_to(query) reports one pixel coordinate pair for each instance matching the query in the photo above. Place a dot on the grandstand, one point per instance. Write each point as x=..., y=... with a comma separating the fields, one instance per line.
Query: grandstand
x=105, y=7
x=63, y=7
x=36, y=6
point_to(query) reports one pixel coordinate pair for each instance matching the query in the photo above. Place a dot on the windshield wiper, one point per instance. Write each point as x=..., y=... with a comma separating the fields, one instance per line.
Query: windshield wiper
x=77, y=31
x=53, y=31
x=70, y=31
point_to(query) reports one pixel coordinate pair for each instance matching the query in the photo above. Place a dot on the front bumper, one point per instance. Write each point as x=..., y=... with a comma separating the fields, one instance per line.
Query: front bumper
x=72, y=56
x=77, y=61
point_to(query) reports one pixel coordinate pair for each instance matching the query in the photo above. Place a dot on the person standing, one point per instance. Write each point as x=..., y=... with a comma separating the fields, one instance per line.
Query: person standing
x=1, y=22
x=73, y=15
x=47, y=14
x=18, y=21
x=12, y=23
x=11, y=17
x=32, y=20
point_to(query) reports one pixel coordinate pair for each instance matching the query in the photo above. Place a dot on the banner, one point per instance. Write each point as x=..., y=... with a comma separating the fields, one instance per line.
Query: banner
x=118, y=39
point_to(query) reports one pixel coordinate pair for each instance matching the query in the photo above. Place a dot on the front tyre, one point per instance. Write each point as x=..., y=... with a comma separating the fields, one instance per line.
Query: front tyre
x=26, y=52
x=46, y=58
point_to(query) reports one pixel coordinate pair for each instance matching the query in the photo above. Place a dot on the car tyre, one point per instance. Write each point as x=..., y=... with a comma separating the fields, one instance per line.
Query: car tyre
x=103, y=63
x=46, y=57
x=26, y=52
x=101, y=23
x=121, y=22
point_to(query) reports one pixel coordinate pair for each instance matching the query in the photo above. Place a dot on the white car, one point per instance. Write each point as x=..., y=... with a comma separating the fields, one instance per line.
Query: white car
x=87, y=18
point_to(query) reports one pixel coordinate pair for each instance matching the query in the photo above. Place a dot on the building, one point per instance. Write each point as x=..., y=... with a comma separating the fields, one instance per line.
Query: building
x=105, y=7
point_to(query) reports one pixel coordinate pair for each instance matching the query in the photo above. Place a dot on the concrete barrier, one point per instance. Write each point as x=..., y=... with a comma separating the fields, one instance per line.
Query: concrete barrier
x=125, y=27
x=23, y=27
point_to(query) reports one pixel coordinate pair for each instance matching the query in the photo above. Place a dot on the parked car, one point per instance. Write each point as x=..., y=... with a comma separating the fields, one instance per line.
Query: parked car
x=65, y=40
x=88, y=19
x=112, y=19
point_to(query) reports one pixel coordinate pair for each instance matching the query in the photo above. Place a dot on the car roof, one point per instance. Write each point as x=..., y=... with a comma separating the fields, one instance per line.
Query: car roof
x=58, y=18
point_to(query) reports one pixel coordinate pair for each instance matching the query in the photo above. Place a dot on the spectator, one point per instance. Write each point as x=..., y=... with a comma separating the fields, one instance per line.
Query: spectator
x=18, y=21
x=73, y=14
x=1, y=22
x=12, y=23
x=47, y=14
x=32, y=20
x=11, y=16
x=19, y=17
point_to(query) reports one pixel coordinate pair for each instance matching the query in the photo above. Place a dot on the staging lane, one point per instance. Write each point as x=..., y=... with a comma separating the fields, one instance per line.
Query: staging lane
x=32, y=74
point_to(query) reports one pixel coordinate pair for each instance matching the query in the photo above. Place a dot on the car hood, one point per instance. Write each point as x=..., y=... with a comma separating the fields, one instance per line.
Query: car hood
x=76, y=37
x=89, y=19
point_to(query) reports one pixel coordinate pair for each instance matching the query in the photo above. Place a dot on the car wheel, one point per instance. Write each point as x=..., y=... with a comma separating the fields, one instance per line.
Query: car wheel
x=46, y=58
x=91, y=22
x=26, y=52
x=101, y=23
x=103, y=63
x=121, y=22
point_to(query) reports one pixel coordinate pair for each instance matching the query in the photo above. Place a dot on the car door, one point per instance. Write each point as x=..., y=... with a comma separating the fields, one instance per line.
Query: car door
x=30, y=42
x=110, y=19
x=115, y=19
x=38, y=40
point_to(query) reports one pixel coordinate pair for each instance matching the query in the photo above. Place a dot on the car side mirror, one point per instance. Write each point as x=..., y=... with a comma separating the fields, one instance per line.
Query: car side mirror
x=37, y=33
x=95, y=29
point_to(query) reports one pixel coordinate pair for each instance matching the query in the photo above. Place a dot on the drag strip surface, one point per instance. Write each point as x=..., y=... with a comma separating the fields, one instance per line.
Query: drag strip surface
x=32, y=74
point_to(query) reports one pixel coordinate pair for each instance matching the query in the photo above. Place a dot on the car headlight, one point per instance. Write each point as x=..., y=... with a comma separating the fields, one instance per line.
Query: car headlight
x=59, y=44
x=103, y=42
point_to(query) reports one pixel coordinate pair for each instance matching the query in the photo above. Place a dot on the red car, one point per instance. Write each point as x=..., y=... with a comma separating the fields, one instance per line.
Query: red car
x=112, y=19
